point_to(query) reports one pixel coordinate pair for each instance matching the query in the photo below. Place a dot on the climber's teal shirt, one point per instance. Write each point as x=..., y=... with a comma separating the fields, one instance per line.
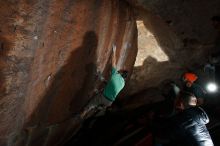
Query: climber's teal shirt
x=115, y=84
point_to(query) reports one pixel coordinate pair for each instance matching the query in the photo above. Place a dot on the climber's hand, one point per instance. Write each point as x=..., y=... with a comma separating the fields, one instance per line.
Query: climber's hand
x=100, y=76
x=114, y=48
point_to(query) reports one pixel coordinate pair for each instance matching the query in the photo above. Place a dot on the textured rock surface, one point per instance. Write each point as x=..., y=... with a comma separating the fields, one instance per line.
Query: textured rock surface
x=173, y=36
x=51, y=51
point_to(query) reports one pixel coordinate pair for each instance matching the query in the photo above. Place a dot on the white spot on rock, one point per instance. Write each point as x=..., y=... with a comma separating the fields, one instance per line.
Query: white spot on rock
x=35, y=37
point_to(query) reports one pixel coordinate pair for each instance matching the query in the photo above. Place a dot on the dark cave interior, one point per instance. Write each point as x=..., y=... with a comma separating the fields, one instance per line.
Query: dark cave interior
x=52, y=52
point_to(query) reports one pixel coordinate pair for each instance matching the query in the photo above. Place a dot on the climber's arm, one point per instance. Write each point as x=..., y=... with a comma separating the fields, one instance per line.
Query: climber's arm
x=114, y=56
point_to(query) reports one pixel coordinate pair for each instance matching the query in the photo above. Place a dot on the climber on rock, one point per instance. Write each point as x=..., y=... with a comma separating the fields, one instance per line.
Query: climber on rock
x=113, y=86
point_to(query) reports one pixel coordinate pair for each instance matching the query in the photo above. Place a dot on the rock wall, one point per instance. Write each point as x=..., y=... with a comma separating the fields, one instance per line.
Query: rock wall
x=173, y=37
x=51, y=52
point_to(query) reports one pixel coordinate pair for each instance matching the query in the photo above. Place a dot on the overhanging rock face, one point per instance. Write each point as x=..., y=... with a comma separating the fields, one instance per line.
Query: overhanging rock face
x=50, y=53
x=173, y=37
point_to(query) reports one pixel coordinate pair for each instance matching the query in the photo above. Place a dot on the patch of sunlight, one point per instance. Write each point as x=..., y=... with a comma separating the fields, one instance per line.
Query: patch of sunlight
x=148, y=46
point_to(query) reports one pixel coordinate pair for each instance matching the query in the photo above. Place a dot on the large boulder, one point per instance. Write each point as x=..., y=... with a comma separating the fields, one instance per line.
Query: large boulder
x=173, y=37
x=51, y=52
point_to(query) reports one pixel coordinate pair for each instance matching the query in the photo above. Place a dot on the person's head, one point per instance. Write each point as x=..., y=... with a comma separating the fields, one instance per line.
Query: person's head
x=124, y=73
x=189, y=79
x=188, y=99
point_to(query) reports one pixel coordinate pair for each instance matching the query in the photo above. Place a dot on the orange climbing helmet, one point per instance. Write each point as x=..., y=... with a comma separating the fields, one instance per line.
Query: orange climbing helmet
x=190, y=77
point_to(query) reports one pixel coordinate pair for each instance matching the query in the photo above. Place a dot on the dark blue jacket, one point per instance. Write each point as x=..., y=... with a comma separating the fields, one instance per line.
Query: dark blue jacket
x=190, y=129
